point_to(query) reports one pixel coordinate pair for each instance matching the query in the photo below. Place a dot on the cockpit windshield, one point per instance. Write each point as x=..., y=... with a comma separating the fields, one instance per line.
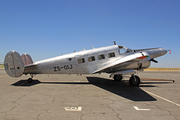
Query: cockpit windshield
x=123, y=50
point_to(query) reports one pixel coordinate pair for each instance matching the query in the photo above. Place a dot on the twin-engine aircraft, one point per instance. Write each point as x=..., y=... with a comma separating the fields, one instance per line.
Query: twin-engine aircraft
x=116, y=60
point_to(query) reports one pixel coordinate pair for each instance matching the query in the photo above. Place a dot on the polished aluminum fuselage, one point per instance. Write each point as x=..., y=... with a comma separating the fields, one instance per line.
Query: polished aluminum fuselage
x=68, y=64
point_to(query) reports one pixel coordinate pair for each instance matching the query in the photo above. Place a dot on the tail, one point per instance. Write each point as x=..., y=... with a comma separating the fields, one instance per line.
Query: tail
x=15, y=64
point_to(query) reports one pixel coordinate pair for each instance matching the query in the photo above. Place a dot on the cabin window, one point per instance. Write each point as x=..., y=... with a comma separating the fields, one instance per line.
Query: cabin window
x=82, y=60
x=111, y=54
x=100, y=57
x=92, y=58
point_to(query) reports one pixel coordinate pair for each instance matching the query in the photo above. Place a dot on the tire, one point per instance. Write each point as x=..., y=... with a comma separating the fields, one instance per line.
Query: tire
x=134, y=80
x=30, y=80
x=118, y=77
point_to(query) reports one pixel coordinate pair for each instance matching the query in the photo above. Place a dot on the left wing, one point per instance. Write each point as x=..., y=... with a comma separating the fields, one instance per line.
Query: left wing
x=124, y=61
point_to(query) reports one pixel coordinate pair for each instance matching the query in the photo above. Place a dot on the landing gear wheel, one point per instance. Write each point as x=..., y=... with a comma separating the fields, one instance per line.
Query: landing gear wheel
x=118, y=77
x=134, y=80
x=30, y=80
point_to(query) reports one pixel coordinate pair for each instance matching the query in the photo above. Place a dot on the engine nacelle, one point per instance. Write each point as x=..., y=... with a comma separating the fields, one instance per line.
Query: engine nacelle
x=144, y=64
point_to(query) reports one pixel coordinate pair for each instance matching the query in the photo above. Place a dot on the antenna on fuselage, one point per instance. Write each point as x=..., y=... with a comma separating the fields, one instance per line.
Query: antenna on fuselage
x=114, y=42
x=83, y=48
x=93, y=47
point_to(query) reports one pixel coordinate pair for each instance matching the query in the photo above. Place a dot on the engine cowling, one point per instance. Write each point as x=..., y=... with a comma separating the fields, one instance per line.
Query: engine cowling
x=144, y=64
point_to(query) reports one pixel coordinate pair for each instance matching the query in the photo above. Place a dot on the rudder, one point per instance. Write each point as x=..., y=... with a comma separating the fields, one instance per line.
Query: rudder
x=13, y=64
x=26, y=58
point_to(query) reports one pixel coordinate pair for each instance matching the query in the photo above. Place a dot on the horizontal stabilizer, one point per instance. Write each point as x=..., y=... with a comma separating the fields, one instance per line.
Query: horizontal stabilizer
x=32, y=65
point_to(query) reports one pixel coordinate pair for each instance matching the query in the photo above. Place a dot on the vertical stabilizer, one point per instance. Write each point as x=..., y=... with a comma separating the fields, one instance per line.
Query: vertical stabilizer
x=13, y=64
x=26, y=58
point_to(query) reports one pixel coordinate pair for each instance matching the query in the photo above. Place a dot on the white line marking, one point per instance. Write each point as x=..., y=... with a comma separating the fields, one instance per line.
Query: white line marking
x=73, y=108
x=162, y=98
x=135, y=107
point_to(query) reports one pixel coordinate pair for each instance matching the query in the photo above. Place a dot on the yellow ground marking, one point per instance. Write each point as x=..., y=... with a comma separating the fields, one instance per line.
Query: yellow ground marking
x=154, y=79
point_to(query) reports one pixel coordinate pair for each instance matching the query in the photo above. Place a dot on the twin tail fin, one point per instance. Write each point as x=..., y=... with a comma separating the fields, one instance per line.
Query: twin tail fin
x=15, y=64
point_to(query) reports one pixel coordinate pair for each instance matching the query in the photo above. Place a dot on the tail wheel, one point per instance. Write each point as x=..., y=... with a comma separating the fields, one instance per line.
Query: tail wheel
x=30, y=80
x=134, y=80
x=118, y=77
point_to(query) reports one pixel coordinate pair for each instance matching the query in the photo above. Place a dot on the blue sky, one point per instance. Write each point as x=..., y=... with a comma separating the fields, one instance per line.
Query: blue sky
x=49, y=28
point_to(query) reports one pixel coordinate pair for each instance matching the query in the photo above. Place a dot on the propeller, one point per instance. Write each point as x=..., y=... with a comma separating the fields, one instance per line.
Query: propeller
x=154, y=60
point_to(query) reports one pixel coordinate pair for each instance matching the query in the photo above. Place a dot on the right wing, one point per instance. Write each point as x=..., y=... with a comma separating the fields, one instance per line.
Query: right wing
x=127, y=60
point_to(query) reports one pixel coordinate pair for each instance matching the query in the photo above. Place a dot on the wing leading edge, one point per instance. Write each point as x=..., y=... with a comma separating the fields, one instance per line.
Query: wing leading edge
x=124, y=61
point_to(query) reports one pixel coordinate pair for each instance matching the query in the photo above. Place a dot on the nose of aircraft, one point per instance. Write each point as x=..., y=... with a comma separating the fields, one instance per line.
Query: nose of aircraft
x=157, y=52
x=162, y=51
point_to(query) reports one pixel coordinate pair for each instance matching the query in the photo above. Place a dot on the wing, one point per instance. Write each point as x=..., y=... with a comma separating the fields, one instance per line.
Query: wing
x=121, y=62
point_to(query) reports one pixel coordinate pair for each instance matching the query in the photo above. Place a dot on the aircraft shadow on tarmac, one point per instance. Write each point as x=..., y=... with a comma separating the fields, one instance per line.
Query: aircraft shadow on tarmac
x=121, y=89
x=24, y=83
x=118, y=88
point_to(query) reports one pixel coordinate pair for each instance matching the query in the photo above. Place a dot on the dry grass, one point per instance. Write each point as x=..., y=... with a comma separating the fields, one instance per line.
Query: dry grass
x=162, y=69
x=1, y=66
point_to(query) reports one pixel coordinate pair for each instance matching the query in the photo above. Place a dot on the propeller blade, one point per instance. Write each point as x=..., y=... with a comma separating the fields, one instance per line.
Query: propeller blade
x=154, y=61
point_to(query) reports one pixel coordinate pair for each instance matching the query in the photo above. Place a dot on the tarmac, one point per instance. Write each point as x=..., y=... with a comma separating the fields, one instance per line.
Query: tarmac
x=90, y=97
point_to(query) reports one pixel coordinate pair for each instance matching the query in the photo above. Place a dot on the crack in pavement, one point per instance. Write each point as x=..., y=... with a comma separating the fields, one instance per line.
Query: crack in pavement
x=75, y=96
x=165, y=110
x=20, y=98
x=37, y=118
x=14, y=102
x=8, y=111
x=50, y=104
x=91, y=112
x=81, y=116
x=113, y=101
x=172, y=114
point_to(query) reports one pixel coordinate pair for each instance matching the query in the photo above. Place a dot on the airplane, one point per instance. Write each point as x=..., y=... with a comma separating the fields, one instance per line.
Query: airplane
x=115, y=60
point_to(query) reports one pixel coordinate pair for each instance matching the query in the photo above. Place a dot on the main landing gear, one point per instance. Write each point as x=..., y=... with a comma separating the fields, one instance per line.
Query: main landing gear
x=134, y=80
x=118, y=77
x=31, y=79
